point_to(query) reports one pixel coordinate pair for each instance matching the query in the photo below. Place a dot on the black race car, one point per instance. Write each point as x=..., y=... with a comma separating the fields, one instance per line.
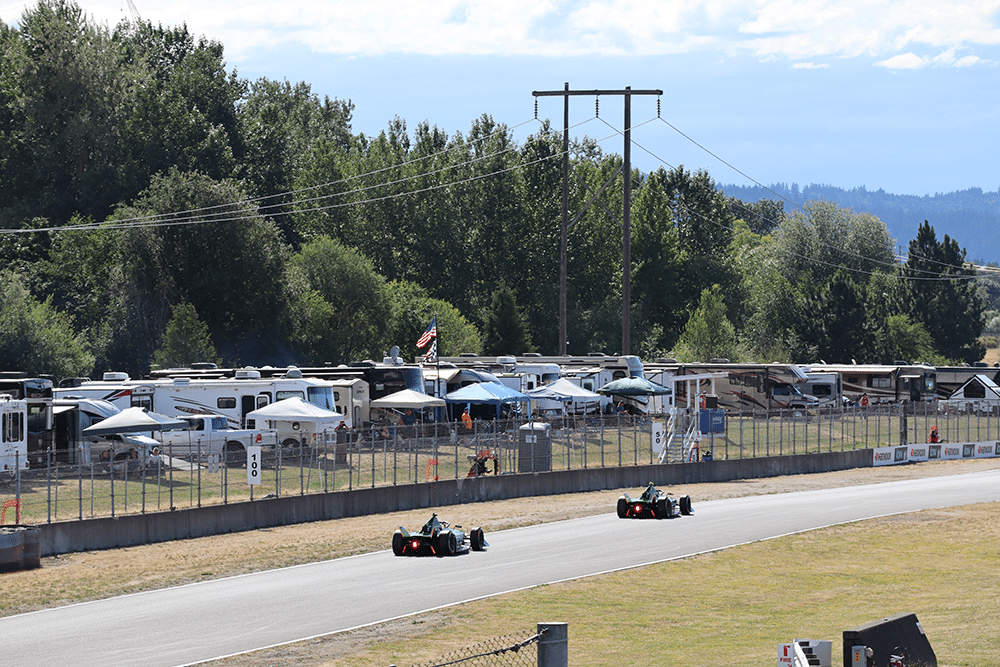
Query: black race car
x=653, y=504
x=437, y=538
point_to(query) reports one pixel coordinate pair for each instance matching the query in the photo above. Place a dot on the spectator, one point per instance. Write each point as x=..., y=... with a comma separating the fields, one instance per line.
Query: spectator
x=467, y=419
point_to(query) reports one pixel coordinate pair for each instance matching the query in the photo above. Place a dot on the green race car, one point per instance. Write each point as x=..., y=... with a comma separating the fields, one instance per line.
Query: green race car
x=653, y=504
x=437, y=538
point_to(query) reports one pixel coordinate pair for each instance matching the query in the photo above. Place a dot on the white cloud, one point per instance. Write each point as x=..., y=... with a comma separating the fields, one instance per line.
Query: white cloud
x=904, y=61
x=793, y=29
x=810, y=66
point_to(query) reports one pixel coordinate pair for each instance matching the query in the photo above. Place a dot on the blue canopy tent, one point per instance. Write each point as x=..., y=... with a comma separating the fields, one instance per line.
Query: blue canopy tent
x=488, y=393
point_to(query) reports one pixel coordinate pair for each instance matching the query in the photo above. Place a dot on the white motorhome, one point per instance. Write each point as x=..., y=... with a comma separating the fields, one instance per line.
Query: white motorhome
x=231, y=397
x=13, y=435
x=825, y=387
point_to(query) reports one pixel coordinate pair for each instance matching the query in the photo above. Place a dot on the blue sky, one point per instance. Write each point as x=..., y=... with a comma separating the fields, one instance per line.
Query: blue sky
x=899, y=95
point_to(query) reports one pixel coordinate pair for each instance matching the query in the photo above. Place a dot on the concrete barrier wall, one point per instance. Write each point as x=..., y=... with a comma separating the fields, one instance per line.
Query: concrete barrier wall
x=132, y=530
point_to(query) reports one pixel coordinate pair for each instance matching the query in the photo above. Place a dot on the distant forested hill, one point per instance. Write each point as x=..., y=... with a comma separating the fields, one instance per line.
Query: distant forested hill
x=971, y=217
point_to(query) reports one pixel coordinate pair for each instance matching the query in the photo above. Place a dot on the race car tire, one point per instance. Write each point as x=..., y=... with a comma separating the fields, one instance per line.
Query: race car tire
x=622, y=508
x=662, y=509
x=397, y=543
x=686, y=506
x=447, y=544
x=477, y=541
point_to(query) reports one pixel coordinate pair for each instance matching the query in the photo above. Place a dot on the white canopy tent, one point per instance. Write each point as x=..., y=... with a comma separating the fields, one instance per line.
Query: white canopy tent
x=408, y=399
x=564, y=390
x=298, y=412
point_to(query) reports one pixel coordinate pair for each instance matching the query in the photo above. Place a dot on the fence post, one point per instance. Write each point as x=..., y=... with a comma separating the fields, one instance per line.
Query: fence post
x=553, y=645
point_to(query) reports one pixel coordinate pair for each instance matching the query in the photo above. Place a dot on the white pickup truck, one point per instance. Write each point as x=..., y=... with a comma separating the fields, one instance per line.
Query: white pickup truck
x=209, y=435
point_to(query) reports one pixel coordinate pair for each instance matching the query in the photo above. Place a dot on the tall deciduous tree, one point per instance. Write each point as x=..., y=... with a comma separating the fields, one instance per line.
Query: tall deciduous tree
x=341, y=307
x=37, y=338
x=65, y=111
x=412, y=311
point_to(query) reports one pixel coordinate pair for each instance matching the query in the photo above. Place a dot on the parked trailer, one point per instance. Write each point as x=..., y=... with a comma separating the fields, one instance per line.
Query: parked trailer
x=884, y=383
x=950, y=378
x=231, y=397
x=746, y=387
x=355, y=385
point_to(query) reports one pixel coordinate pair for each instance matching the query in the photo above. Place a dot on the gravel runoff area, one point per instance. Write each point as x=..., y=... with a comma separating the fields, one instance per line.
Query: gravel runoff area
x=83, y=576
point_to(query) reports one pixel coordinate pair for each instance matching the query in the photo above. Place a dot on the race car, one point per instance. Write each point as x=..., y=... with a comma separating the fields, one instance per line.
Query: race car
x=653, y=504
x=437, y=538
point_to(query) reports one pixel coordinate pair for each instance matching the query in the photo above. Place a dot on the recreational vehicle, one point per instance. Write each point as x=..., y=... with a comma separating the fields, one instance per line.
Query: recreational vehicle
x=13, y=435
x=231, y=397
x=884, y=383
x=746, y=387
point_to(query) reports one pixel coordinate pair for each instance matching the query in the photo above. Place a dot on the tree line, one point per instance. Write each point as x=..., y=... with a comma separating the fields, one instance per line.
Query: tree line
x=157, y=210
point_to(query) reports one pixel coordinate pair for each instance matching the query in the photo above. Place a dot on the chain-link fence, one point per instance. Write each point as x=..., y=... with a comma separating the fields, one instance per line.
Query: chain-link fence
x=57, y=488
x=504, y=651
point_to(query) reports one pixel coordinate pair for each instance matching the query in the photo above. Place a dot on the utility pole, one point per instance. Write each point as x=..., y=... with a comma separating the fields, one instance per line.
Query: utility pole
x=566, y=93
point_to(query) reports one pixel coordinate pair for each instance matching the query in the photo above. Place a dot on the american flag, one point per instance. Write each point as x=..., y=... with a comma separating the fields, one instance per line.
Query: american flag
x=432, y=352
x=429, y=335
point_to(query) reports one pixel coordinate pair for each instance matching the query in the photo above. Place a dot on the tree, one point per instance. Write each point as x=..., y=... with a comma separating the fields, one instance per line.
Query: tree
x=66, y=106
x=506, y=329
x=185, y=341
x=942, y=295
x=37, y=338
x=341, y=305
x=228, y=262
x=812, y=242
x=182, y=105
x=833, y=319
x=909, y=340
x=412, y=311
x=709, y=333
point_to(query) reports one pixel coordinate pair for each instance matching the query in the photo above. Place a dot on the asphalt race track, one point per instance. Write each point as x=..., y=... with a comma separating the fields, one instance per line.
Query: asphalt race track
x=206, y=620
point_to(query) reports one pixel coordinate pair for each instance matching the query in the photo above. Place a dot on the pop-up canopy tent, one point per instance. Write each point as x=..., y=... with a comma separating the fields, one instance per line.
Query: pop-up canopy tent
x=633, y=386
x=297, y=411
x=134, y=420
x=564, y=390
x=408, y=399
x=487, y=393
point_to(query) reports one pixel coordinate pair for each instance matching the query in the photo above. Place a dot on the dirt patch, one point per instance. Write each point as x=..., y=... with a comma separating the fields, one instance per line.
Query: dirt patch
x=94, y=575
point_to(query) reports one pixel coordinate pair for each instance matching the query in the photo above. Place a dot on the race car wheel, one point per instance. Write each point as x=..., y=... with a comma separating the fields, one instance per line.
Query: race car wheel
x=662, y=509
x=622, y=508
x=686, y=505
x=477, y=540
x=447, y=544
x=397, y=543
